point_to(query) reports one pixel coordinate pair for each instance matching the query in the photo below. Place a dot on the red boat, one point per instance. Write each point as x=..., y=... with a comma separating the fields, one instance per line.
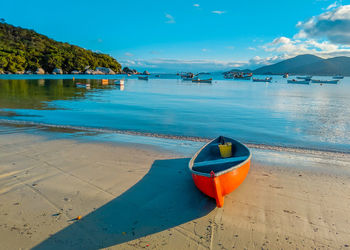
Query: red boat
x=219, y=167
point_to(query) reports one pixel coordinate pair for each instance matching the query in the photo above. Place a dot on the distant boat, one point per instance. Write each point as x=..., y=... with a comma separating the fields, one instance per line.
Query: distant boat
x=239, y=77
x=187, y=76
x=119, y=82
x=243, y=76
x=219, y=167
x=304, y=77
x=143, y=78
x=338, y=77
x=285, y=75
x=299, y=82
x=325, y=81
x=202, y=80
x=267, y=79
x=157, y=75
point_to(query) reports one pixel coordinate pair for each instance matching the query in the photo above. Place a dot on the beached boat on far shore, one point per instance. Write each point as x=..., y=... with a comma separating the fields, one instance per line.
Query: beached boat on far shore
x=219, y=167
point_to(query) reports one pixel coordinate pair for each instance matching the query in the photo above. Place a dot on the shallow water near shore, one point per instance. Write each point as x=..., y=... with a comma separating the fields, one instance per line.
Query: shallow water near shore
x=273, y=114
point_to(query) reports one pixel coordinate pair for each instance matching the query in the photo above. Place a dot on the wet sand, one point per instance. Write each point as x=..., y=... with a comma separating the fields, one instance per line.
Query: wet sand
x=139, y=197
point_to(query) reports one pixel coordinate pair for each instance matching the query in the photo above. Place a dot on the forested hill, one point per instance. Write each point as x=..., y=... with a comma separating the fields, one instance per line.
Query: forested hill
x=24, y=49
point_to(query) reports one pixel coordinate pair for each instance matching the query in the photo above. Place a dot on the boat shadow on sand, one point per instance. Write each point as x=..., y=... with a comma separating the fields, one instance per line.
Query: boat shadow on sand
x=164, y=198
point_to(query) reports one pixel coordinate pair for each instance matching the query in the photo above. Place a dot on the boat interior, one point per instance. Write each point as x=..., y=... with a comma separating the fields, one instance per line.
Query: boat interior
x=209, y=159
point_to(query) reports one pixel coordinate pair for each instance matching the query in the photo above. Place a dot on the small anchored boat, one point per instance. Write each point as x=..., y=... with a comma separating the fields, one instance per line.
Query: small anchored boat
x=325, y=81
x=285, y=75
x=143, y=78
x=202, y=80
x=219, y=167
x=299, y=82
x=267, y=79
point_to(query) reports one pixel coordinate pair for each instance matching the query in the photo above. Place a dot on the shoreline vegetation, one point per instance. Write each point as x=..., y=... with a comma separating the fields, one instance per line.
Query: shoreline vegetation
x=24, y=51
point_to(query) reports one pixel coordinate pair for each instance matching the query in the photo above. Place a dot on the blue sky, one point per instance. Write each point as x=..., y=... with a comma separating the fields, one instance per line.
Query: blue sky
x=191, y=35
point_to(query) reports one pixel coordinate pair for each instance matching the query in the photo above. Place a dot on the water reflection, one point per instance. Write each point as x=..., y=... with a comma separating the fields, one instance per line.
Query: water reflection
x=36, y=94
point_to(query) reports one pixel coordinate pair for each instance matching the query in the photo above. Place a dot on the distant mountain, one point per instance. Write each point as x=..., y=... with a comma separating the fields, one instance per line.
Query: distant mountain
x=308, y=65
x=24, y=49
x=291, y=65
x=332, y=66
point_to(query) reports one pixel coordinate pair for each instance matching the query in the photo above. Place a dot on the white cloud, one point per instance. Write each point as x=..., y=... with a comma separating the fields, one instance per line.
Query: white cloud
x=251, y=48
x=258, y=61
x=333, y=25
x=331, y=6
x=204, y=50
x=170, y=18
x=196, y=5
x=218, y=12
x=326, y=35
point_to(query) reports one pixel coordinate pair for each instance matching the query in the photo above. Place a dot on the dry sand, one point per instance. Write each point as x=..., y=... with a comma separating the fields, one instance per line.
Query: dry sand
x=132, y=197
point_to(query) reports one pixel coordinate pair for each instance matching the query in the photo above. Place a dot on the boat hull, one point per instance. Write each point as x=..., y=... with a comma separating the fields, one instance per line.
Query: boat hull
x=219, y=186
x=217, y=176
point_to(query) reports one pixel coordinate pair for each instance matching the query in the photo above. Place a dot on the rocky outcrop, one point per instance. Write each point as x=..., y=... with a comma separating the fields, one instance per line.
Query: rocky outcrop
x=21, y=72
x=106, y=71
x=89, y=72
x=75, y=72
x=40, y=71
x=57, y=71
x=127, y=70
x=97, y=72
x=28, y=72
x=145, y=73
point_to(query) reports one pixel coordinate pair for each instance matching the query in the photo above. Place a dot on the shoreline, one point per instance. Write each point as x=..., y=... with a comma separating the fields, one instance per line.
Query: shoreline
x=131, y=197
x=72, y=129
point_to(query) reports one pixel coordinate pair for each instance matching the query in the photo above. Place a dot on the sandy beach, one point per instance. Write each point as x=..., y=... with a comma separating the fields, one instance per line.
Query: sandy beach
x=140, y=197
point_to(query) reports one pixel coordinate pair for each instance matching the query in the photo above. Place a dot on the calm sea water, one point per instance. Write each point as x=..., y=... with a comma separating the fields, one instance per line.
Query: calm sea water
x=309, y=116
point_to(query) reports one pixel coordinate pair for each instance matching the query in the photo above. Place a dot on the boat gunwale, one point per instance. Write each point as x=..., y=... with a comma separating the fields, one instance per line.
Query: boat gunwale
x=190, y=164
